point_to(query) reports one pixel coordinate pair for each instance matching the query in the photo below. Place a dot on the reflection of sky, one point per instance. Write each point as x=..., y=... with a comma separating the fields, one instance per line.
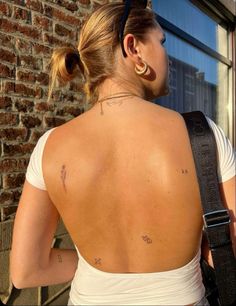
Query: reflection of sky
x=190, y=19
x=192, y=56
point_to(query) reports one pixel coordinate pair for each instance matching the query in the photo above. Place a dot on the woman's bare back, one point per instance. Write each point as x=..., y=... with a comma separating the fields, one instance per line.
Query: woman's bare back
x=125, y=186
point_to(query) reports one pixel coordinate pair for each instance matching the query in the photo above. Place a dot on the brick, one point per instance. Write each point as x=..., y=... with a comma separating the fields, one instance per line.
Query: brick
x=42, y=22
x=9, y=87
x=8, y=119
x=13, y=165
x=29, y=31
x=19, y=134
x=25, y=76
x=69, y=5
x=17, y=149
x=24, y=90
x=36, y=135
x=6, y=197
x=42, y=78
x=30, y=121
x=23, y=105
x=7, y=41
x=52, y=40
x=5, y=102
x=7, y=56
x=13, y=180
x=6, y=214
x=34, y=5
x=54, y=13
x=39, y=93
x=54, y=121
x=69, y=110
x=5, y=9
x=29, y=61
x=41, y=49
x=21, y=14
x=7, y=26
x=60, y=96
x=44, y=107
x=23, y=46
x=13, y=27
x=6, y=72
x=16, y=195
x=64, y=32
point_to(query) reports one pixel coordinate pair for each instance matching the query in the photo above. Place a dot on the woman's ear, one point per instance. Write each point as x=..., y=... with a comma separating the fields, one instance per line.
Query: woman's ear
x=131, y=47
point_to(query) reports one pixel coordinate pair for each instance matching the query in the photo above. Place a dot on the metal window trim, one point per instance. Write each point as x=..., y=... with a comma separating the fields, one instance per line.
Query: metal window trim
x=191, y=40
x=219, y=10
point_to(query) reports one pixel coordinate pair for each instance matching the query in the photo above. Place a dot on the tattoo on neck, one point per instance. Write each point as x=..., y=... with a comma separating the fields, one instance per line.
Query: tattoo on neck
x=184, y=171
x=114, y=103
x=147, y=239
x=63, y=176
x=98, y=261
x=59, y=258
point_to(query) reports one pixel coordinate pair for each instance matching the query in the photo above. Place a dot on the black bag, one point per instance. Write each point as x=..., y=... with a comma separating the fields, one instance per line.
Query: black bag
x=209, y=281
x=220, y=282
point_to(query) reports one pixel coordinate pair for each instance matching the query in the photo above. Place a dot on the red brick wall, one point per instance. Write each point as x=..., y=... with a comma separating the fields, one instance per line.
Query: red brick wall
x=29, y=30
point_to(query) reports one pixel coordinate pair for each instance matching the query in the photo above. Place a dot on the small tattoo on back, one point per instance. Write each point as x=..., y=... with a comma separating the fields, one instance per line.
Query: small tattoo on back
x=63, y=176
x=59, y=258
x=147, y=239
x=98, y=261
x=184, y=171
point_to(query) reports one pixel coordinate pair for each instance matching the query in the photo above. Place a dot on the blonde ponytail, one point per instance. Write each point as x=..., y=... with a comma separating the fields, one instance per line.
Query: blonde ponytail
x=64, y=66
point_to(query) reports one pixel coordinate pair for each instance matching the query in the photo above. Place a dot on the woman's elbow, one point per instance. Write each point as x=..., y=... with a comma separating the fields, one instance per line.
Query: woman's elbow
x=18, y=277
x=18, y=283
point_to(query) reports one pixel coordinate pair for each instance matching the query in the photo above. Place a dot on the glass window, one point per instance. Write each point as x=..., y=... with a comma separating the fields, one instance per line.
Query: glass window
x=193, y=21
x=198, y=81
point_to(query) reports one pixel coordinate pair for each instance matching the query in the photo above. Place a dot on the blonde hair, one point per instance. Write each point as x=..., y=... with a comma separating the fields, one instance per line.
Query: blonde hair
x=98, y=42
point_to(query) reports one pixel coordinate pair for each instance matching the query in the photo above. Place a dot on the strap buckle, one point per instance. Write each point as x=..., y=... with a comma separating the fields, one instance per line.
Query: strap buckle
x=216, y=218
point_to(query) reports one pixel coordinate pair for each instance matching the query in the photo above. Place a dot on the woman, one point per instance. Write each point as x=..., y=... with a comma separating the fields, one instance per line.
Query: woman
x=121, y=176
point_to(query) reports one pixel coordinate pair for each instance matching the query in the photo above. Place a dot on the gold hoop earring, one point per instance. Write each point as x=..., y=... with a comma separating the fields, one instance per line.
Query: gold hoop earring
x=143, y=70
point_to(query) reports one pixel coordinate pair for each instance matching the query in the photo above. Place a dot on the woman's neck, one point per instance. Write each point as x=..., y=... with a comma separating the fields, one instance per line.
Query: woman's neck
x=114, y=88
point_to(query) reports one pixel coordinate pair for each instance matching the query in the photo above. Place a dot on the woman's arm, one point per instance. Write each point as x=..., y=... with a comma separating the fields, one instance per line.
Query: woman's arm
x=228, y=194
x=33, y=262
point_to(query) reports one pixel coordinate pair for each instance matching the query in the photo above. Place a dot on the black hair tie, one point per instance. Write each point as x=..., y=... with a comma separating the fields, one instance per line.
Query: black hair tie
x=72, y=59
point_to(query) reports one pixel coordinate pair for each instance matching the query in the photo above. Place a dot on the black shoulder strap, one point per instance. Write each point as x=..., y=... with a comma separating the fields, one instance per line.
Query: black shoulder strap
x=215, y=216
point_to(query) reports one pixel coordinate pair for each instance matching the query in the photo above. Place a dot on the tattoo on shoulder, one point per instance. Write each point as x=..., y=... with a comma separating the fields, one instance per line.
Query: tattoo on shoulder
x=59, y=258
x=147, y=239
x=98, y=261
x=63, y=176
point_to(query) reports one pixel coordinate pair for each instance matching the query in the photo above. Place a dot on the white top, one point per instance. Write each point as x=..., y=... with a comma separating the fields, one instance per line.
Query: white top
x=181, y=286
